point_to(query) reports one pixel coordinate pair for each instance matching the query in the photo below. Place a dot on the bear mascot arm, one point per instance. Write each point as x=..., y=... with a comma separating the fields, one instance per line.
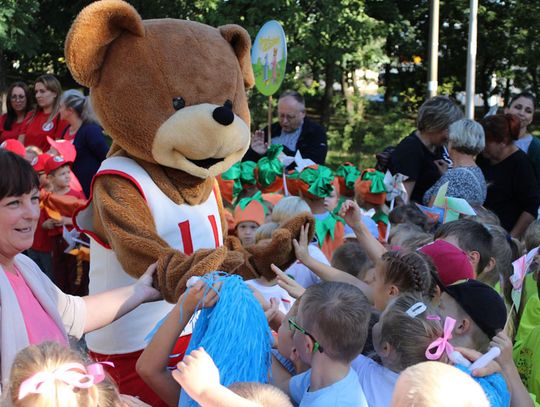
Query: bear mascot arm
x=171, y=94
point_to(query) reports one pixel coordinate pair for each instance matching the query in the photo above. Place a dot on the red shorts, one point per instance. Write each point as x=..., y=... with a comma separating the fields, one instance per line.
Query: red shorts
x=126, y=377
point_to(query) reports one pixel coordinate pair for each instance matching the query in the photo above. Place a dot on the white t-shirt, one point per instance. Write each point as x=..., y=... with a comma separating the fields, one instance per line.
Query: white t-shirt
x=273, y=291
x=377, y=381
x=345, y=393
x=304, y=276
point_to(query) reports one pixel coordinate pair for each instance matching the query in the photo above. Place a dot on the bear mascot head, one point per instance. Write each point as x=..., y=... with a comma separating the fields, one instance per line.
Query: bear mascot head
x=172, y=96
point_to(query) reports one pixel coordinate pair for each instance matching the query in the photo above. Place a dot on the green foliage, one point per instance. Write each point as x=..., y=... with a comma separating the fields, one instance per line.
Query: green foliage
x=16, y=30
x=359, y=141
x=327, y=41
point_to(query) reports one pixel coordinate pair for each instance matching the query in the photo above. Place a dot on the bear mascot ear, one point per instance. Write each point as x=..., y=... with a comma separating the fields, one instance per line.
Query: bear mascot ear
x=94, y=29
x=241, y=44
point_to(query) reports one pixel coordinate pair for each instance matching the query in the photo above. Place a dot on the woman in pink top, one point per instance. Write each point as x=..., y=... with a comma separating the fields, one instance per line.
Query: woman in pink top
x=18, y=106
x=45, y=120
x=33, y=309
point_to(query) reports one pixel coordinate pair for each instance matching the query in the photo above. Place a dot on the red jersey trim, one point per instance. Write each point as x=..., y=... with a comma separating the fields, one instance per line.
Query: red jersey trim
x=104, y=172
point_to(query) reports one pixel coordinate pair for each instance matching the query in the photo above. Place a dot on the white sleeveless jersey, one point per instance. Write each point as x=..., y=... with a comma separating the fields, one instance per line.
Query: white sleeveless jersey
x=184, y=227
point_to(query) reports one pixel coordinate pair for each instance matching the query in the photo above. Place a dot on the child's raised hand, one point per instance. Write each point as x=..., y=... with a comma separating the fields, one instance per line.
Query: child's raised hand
x=191, y=298
x=301, y=247
x=271, y=309
x=197, y=373
x=472, y=355
x=503, y=342
x=350, y=212
x=294, y=289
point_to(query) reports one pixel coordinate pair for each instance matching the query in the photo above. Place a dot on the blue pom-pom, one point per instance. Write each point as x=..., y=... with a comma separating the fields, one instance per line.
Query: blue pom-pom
x=234, y=332
x=494, y=387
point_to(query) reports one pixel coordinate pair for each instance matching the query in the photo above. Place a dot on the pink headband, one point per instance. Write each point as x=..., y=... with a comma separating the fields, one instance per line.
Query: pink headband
x=69, y=373
x=442, y=344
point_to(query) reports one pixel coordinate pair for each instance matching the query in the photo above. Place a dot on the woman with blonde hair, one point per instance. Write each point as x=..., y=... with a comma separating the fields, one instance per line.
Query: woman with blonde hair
x=45, y=120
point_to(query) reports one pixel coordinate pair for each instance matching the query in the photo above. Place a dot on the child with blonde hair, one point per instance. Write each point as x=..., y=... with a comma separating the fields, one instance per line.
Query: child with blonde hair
x=430, y=384
x=269, y=288
x=52, y=375
x=531, y=239
x=286, y=209
x=405, y=331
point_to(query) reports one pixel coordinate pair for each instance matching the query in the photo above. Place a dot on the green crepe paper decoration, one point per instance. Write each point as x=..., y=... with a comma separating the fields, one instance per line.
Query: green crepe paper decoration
x=319, y=180
x=242, y=174
x=257, y=197
x=453, y=207
x=326, y=226
x=270, y=167
x=380, y=216
x=349, y=173
x=377, y=181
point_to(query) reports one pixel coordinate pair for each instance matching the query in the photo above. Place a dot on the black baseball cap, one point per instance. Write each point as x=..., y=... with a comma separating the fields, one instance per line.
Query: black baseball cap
x=482, y=303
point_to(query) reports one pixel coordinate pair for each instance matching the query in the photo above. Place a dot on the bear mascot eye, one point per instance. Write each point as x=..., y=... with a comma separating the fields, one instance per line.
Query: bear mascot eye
x=178, y=103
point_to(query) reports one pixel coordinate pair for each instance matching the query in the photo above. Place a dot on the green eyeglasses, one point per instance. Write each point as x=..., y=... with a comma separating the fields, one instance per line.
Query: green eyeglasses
x=316, y=345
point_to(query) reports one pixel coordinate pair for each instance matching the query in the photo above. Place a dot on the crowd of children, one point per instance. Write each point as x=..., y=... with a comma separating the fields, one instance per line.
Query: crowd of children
x=385, y=306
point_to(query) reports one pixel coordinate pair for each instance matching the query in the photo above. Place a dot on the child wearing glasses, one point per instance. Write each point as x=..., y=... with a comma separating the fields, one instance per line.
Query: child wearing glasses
x=330, y=330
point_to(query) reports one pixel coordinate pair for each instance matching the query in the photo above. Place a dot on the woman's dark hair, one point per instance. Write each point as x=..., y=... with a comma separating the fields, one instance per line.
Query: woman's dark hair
x=526, y=95
x=11, y=114
x=501, y=128
x=18, y=176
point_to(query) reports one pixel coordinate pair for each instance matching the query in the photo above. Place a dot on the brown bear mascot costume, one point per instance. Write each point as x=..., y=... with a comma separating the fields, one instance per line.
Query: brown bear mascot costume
x=171, y=94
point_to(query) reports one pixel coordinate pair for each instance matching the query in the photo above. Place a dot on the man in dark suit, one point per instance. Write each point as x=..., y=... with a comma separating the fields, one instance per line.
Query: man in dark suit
x=294, y=131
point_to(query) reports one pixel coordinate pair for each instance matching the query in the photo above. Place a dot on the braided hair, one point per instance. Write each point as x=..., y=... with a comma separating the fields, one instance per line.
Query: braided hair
x=410, y=271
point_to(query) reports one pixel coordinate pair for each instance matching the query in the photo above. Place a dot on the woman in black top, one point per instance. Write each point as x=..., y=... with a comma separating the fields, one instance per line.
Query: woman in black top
x=419, y=156
x=512, y=192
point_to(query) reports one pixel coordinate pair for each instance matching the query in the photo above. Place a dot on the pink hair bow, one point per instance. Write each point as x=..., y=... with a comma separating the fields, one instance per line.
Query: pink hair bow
x=73, y=374
x=442, y=344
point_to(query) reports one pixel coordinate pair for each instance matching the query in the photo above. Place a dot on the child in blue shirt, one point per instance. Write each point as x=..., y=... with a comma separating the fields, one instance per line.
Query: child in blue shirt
x=330, y=330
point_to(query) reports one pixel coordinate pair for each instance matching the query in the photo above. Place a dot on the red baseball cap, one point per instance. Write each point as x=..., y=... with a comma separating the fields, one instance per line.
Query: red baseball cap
x=15, y=146
x=55, y=162
x=451, y=262
x=39, y=162
x=64, y=147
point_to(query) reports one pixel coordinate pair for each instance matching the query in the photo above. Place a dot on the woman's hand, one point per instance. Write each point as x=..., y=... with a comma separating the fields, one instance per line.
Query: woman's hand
x=294, y=289
x=143, y=287
x=197, y=373
x=301, y=247
x=351, y=214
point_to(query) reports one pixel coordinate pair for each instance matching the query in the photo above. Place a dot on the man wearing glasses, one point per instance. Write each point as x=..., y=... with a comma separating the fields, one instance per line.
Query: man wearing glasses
x=294, y=131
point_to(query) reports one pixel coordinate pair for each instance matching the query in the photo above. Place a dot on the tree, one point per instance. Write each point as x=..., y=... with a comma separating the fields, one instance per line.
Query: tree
x=16, y=33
